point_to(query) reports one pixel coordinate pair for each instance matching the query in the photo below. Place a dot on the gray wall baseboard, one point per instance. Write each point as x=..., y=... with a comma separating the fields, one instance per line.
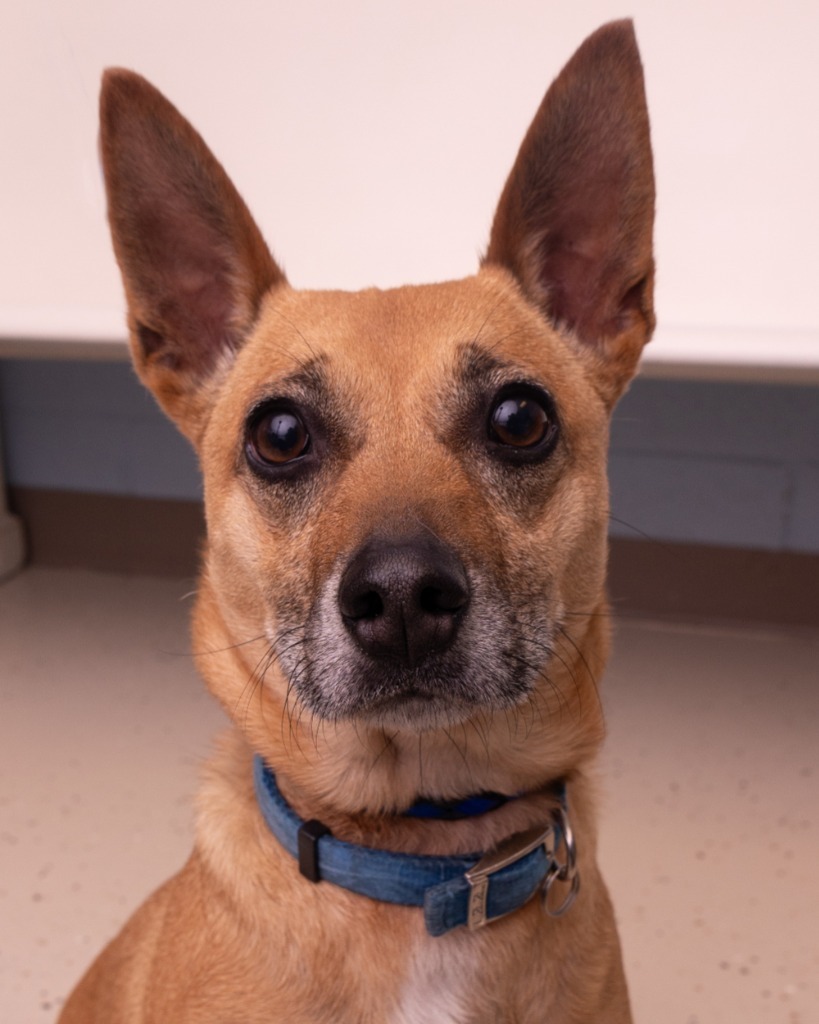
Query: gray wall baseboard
x=110, y=532
x=706, y=583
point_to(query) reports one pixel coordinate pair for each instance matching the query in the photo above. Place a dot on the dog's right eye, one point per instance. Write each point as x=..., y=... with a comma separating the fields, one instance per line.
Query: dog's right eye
x=277, y=437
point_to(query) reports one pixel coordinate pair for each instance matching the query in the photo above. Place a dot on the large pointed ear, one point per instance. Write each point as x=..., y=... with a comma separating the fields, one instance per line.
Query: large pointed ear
x=194, y=264
x=574, y=222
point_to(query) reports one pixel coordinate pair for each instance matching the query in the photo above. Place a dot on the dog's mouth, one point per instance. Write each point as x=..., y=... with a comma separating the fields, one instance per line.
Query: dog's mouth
x=445, y=689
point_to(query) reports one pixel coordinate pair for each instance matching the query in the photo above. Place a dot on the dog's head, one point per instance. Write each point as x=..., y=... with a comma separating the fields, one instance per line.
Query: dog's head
x=405, y=490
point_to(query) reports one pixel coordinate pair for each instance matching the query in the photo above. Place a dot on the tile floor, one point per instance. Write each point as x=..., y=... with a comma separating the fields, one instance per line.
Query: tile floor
x=711, y=814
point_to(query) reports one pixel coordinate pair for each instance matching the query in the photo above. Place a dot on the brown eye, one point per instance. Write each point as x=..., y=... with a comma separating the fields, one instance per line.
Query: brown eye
x=520, y=421
x=279, y=437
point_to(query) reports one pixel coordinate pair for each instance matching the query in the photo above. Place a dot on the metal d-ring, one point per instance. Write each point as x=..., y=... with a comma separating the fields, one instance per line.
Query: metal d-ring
x=553, y=876
x=565, y=872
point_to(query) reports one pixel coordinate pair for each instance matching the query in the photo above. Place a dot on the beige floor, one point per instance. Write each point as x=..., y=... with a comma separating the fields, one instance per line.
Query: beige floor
x=711, y=826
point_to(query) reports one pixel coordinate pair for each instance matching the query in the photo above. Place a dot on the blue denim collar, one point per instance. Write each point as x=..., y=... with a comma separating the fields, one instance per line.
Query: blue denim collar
x=453, y=891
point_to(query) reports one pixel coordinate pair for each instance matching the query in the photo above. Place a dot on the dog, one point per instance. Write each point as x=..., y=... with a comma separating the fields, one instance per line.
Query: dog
x=402, y=603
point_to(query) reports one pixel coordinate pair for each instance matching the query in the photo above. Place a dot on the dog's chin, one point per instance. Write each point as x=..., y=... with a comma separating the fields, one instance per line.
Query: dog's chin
x=411, y=708
x=408, y=711
x=414, y=712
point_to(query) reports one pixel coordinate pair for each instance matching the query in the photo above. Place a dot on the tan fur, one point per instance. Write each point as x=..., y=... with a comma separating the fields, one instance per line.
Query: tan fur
x=563, y=299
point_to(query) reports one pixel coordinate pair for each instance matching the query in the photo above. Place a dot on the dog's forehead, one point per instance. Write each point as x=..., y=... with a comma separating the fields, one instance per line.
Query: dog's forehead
x=405, y=337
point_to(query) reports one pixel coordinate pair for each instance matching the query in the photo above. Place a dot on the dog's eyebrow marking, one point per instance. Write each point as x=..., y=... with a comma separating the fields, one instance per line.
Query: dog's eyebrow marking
x=476, y=358
x=309, y=381
x=311, y=375
x=478, y=365
x=478, y=370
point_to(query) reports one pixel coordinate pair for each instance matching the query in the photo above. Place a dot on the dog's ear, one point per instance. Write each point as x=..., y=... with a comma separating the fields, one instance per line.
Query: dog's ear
x=194, y=264
x=574, y=222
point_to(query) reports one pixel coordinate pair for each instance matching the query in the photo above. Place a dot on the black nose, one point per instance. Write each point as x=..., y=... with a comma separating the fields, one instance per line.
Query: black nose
x=402, y=599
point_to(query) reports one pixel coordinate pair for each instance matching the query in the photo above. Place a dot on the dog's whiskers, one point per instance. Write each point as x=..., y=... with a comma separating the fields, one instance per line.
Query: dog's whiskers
x=460, y=752
x=256, y=674
x=389, y=740
x=631, y=526
x=480, y=727
x=420, y=763
x=597, y=614
x=230, y=647
x=551, y=651
x=564, y=634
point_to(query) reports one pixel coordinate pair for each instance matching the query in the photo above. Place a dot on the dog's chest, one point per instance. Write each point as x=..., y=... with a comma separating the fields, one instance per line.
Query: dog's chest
x=439, y=985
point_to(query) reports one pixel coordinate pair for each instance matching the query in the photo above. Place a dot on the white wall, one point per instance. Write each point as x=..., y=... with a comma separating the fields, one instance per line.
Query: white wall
x=371, y=140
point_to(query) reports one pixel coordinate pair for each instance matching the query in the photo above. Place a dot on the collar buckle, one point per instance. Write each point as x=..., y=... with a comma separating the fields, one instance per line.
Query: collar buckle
x=510, y=850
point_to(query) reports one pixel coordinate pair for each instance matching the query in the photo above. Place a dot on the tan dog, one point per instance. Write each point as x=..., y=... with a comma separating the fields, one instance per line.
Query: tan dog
x=403, y=589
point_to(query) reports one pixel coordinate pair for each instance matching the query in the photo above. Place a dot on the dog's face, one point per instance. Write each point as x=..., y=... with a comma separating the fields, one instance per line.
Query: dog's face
x=405, y=490
x=407, y=496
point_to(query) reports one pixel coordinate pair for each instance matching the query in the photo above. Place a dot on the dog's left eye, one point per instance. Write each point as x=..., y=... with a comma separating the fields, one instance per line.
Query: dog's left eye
x=524, y=421
x=278, y=436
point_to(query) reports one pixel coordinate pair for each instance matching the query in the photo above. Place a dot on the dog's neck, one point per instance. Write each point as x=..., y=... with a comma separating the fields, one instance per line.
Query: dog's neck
x=431, y=826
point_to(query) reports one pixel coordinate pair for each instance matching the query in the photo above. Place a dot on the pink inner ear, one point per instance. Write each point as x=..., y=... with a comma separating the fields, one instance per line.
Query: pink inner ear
x=191, y=307
x=584, y=276
x=575, y=218
x=192, y=301
x=194, y=263
x=586, y=257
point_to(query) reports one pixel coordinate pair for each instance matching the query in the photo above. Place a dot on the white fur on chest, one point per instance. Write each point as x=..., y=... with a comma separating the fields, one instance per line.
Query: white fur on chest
x=438, y=984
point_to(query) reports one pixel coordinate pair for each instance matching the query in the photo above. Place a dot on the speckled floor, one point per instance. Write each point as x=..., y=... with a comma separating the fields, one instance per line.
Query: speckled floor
x=711, y=814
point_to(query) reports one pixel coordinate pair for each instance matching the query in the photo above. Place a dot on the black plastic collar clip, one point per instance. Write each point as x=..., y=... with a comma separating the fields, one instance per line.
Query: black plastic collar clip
x=309, y=835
